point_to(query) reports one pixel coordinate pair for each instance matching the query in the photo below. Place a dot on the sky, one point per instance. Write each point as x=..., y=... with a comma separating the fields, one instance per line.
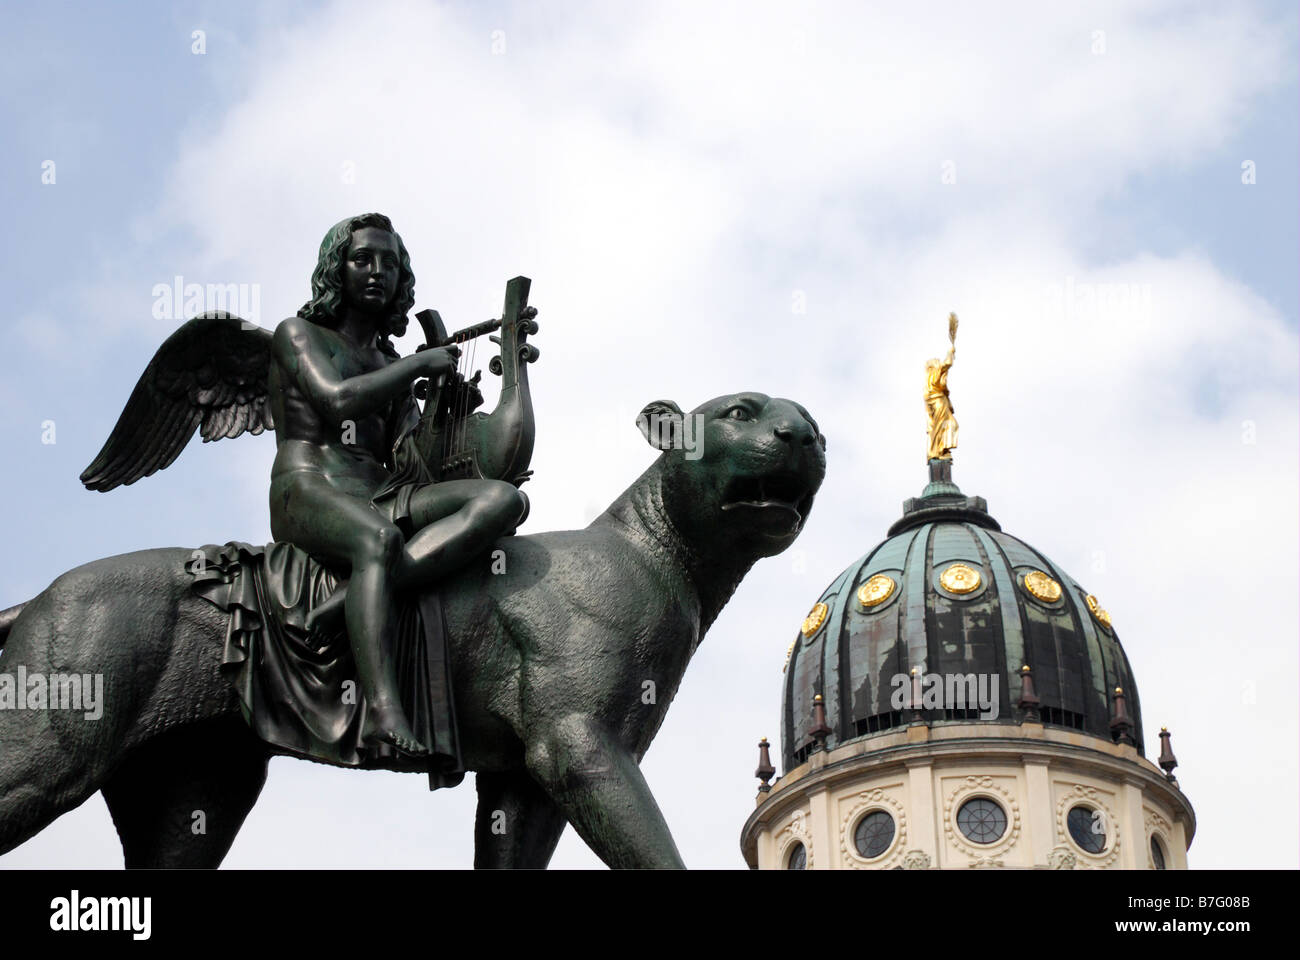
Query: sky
x=714, y=197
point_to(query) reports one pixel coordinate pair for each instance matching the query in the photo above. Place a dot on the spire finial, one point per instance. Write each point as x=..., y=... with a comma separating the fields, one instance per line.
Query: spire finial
x=1167, y=759
x=1121, y=726
x=1028, y=701
x=917, y=698
x=765, y=769
x=820, y=729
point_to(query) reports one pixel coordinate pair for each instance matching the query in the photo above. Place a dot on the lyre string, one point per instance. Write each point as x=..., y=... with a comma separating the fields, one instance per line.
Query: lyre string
x=469, y=369
x=452, y=410
x=467, y=365
x=463, y=368
x=455, y=434
x=464, y=409
x=443, y=399
x=457, y=401
x=449, y=384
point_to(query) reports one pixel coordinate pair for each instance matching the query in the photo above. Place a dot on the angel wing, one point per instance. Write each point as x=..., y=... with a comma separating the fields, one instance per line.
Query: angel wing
x=209, y=375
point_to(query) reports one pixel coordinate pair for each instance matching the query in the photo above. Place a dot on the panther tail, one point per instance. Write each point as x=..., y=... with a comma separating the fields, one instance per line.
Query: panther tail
x=7, y=618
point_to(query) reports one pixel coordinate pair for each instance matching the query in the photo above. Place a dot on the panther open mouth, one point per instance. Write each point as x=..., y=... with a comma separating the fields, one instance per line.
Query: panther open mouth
x=785, y=491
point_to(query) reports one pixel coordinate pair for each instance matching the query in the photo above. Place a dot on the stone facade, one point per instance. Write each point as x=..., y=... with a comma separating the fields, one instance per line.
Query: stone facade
x=1029, y=777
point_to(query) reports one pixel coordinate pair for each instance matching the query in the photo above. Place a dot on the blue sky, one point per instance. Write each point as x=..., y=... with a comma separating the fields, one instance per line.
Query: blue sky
x=671, y=178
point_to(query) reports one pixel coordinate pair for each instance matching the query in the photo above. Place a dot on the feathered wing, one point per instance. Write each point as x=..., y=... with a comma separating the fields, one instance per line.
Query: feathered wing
x=210, y=375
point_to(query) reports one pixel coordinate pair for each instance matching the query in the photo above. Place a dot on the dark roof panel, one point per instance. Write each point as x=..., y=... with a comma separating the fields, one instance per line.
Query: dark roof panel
x=992, y=630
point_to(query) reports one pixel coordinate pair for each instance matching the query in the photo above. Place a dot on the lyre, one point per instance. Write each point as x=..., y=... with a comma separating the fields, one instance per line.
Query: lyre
x=454, y=439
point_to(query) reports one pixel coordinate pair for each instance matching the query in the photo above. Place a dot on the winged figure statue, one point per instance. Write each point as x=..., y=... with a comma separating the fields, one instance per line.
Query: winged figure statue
x=386, y=494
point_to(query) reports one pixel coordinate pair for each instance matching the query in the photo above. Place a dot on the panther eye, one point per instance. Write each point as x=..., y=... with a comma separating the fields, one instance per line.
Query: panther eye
x=738, y=413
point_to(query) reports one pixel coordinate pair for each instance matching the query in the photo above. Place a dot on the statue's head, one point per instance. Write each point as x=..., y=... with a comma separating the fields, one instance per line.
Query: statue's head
x=339, y=275
x=741, y=470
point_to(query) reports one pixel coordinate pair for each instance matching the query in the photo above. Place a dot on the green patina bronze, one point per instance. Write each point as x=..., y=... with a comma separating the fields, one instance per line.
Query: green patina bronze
x=553, y=640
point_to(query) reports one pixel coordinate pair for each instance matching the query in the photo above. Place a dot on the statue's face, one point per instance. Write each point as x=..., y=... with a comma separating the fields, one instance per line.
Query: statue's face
x=371, y=271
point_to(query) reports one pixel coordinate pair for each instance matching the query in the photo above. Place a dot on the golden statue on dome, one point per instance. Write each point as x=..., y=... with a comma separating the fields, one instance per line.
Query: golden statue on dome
x=938, y=405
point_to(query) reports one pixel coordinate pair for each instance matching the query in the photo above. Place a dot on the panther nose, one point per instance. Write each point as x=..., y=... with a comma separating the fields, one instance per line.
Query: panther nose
x=795, y=431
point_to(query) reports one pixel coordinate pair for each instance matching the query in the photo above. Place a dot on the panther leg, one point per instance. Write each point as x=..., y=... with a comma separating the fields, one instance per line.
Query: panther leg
x=42, y=775
x=517, y=826
x=598, y=784
x=180, y=799
x=51, y=761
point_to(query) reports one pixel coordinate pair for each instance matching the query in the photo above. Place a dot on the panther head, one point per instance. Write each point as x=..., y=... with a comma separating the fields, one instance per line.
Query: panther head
x=740, y=471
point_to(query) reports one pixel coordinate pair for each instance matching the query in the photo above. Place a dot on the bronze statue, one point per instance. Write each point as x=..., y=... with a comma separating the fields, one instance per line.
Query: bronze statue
x=938, y=405
x=523, y=658
x=345, y=486
x=550, y=661
x=342, y=402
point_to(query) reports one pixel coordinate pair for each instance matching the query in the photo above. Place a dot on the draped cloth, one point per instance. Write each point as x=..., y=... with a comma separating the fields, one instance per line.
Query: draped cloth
x=298, y=691
x=938, y=406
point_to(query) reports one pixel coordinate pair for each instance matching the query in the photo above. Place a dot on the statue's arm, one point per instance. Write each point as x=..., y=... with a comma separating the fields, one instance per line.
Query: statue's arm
x=304, y=357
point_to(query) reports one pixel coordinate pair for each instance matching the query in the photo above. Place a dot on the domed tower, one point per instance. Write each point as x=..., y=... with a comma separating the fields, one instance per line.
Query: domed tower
x=955, y=699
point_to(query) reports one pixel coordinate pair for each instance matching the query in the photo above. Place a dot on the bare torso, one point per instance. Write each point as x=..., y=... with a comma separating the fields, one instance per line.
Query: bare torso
x=350, y=455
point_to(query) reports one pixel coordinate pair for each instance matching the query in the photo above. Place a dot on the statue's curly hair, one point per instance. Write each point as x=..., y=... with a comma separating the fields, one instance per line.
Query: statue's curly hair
x=327, y=279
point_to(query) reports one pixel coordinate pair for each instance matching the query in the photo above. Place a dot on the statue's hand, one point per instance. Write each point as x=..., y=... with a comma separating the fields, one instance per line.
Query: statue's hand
x=473, y=397
x=438, y=361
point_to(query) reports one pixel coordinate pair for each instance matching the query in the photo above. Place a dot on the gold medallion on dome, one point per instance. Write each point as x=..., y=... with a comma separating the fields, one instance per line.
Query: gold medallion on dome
x=959, y=578
x=876, y=590
x=788, y=652
x=816, y=617
x=1042, y=586
x=1096, y=610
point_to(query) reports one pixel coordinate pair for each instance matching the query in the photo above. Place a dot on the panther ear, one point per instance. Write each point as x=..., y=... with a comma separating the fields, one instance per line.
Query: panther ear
x=661, y=424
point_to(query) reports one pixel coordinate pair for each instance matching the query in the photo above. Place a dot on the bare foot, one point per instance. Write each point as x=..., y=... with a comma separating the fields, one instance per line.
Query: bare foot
x=327, y=616
x=388, y=726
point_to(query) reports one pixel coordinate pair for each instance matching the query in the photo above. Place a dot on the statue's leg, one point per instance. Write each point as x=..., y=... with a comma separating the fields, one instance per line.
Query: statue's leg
x=347, y=531
x=179, y=800
x=456, y=521
x=597, y=784
x=517, y=826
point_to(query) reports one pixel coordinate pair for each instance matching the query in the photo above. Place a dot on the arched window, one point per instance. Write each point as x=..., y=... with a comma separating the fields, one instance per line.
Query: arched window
x=797, y=858
x=1157, y=854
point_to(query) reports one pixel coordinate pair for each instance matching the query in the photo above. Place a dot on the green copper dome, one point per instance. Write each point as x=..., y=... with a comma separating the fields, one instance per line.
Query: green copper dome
x=952, y=595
